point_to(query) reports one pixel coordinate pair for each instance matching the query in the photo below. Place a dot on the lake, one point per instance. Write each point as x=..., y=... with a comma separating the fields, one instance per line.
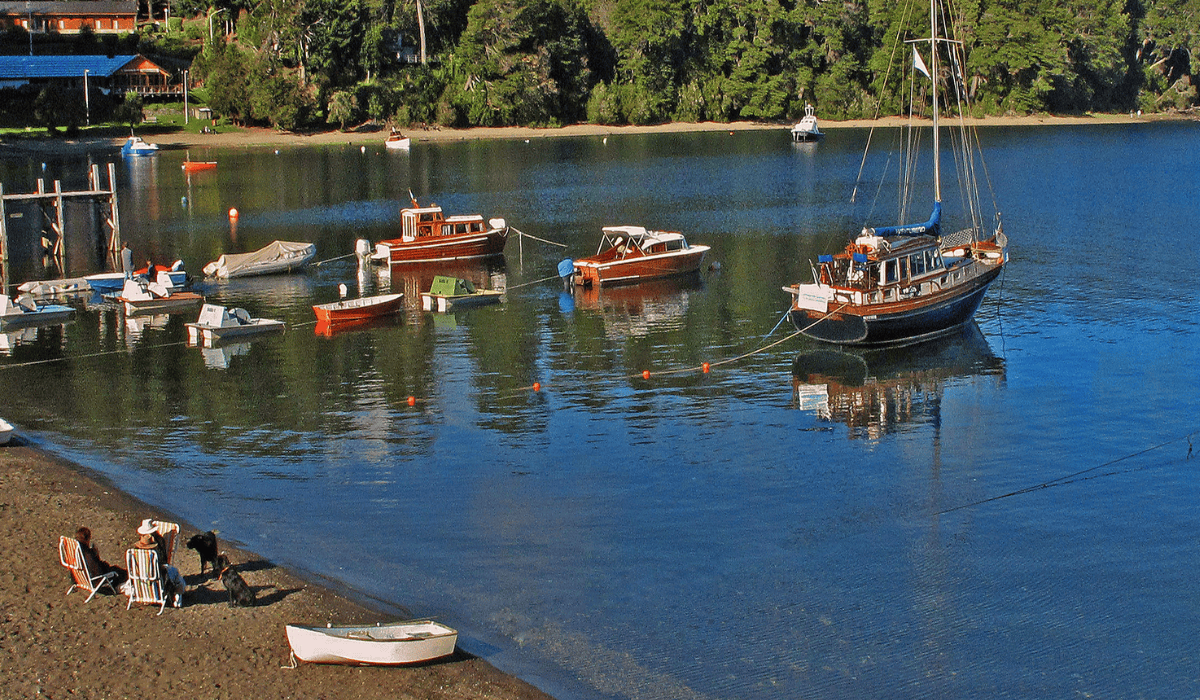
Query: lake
x=1006, y=512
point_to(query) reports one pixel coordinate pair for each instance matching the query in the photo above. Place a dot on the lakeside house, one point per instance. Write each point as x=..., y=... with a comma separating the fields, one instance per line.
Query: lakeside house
x=116, y=74
x=67, y=17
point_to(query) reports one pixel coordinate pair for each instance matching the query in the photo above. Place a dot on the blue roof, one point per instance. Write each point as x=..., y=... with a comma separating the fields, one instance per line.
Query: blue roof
x=23, y=67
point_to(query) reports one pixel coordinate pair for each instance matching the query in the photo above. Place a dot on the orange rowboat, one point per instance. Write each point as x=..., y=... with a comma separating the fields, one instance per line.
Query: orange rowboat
x=191, y=166
x=359, y=309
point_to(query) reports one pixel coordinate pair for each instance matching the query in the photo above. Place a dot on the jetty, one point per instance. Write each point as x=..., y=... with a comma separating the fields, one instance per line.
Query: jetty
x=53, y=216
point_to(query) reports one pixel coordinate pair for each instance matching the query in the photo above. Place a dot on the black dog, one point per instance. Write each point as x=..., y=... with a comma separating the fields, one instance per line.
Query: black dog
x=239, y=592
x=205, y=545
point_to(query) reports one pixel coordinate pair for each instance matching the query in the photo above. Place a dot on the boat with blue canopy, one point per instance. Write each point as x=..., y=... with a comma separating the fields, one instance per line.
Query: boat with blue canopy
x=902, y=284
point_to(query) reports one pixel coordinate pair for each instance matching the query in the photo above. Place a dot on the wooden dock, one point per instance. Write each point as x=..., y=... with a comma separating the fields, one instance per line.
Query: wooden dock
x=51, y=203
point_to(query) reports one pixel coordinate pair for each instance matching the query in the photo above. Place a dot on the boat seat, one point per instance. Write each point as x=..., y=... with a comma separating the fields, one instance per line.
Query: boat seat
x=242, y=316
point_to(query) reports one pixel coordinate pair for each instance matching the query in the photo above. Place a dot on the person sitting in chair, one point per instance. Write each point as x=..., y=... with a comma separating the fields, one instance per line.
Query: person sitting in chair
x=174, y=588
x=91, y=556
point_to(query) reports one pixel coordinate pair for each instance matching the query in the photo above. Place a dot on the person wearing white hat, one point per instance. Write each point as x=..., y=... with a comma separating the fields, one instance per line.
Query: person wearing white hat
x=149, y=538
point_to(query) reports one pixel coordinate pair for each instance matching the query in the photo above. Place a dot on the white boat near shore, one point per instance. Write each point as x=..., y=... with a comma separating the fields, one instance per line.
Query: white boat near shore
x=6, y=431
x=385, y=644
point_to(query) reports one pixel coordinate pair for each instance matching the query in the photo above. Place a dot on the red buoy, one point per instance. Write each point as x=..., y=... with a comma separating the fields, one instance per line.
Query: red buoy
x=645, y=374
x=537, y=386
x=704, y=366
x=412, y=401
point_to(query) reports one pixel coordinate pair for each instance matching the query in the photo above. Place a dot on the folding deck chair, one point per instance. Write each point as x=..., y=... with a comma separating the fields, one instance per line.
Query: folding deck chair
x=169, y=532
x=71, y=556
x=145, y=579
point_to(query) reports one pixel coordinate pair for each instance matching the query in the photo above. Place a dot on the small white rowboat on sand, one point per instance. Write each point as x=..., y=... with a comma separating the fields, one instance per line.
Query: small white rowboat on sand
x=385, y=644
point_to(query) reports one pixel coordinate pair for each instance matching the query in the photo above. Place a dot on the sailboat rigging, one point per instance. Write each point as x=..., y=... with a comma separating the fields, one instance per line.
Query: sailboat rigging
x=906, y=283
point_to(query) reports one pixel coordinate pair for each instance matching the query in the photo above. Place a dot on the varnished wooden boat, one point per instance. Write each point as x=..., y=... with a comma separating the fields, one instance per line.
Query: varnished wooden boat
x=428, y=235
x=629, y=254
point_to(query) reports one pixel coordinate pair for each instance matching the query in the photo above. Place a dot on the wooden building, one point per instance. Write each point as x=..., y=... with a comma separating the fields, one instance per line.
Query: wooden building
x=118, y=74
x=70, y=17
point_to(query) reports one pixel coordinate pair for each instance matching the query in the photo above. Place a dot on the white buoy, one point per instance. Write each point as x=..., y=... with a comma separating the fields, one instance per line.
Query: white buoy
x=362, y=149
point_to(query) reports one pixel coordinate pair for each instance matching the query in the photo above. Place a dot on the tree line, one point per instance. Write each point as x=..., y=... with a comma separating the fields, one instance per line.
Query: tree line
x=293, y=63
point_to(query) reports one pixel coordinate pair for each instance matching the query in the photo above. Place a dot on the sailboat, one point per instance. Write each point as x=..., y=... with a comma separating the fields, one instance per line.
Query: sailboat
x=903, y=284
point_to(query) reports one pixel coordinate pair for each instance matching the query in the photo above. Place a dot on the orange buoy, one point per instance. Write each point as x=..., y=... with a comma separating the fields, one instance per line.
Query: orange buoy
x=412, y=401
x=233, y=213
x=645, y=374
x=704, y=366
x=537, y=386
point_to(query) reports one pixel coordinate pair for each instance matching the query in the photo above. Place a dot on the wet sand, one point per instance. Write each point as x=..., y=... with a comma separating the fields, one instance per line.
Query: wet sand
x=55, y=645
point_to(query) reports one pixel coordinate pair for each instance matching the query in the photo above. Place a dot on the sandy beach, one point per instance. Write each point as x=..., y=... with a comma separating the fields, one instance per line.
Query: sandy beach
x=373, y=135
x=55, y=645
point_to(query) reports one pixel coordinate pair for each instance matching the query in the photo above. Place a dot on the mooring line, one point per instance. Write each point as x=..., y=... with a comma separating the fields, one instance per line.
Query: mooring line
x=340, y=257
x=526, y=284
x=1077, y=476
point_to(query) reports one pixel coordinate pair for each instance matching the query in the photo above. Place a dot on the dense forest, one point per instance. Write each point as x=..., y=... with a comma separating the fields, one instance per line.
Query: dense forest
x=551, y=62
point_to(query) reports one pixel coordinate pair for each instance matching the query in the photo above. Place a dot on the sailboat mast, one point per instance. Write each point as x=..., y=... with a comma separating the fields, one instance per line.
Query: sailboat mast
x=933, y=78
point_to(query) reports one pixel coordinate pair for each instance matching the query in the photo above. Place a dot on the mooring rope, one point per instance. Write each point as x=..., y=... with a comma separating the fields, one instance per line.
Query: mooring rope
x=1078, y=476
x=543, y=240
x=340, y=257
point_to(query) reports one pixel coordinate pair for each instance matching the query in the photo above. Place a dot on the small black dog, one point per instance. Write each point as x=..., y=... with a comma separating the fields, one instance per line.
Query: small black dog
x=205, y=545
x=239, y=592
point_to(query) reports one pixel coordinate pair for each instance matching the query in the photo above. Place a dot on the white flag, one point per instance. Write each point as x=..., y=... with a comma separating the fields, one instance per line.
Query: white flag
x=918, y=63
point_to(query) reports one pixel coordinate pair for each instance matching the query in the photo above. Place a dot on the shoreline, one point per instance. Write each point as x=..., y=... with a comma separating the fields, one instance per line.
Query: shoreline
x=58, y=646
x=373, y=135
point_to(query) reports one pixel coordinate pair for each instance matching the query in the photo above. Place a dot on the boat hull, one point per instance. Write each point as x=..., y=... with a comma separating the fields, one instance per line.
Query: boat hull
x=446, y=302
x=44, y=316
x=359, y=309
x=215, y=334
x=178, y=301
x=6, y=431
x=112, y=282
x=590, y=273
x=463, y=246
x=900, y=323
x=381, y=645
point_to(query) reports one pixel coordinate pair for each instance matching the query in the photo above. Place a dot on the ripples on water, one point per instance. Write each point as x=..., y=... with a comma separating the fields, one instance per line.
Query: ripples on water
x=787, y=525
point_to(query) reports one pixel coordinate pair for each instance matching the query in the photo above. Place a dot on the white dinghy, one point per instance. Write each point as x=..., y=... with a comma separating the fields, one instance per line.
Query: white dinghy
x=383, y=644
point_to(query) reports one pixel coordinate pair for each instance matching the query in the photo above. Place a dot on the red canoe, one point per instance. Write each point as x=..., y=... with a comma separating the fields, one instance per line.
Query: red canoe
x=359, y=309
x=192, y=166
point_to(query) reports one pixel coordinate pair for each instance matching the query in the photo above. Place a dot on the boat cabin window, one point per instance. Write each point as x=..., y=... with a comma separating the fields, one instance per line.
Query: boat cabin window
x=934, y=260
x=893, y=267
x=675, y=244
x=916, y=264
x=428, y=216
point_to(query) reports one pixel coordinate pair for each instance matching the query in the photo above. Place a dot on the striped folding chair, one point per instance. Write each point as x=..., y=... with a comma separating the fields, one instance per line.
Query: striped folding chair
x=145, y=579
x=169, y=532
x=71, y=556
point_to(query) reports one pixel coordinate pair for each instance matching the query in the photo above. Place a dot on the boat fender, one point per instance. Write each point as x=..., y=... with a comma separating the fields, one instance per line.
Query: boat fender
x=566, y=267
x=362, y=247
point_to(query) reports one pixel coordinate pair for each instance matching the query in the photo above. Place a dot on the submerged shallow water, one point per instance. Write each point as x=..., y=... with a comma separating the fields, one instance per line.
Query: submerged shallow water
x=800, y=521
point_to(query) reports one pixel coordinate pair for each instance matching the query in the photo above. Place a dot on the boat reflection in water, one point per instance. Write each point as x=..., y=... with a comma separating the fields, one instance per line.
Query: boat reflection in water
x=876, y=392
x=220, y=355
x=640, y=309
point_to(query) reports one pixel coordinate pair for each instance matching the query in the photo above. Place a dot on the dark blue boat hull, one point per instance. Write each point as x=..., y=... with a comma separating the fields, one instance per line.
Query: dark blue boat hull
x=909, y=323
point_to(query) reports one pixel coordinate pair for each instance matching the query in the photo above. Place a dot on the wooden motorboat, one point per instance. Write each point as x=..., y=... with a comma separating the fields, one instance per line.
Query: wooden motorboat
x=450, y=292
x=135, y=146
x=191, y=166
x=630, y=254
x=427, y=235
x=155, y=298
x=24, y=311
x=397, y=141
x=274, y=258
x=359, y=309
x=217, y=323
x=807, y=129
x=6, y=431
x=387, y=644
x=903, y=284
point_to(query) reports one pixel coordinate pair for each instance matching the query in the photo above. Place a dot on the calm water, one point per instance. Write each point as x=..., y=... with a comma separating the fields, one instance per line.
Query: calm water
x=789, y=525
